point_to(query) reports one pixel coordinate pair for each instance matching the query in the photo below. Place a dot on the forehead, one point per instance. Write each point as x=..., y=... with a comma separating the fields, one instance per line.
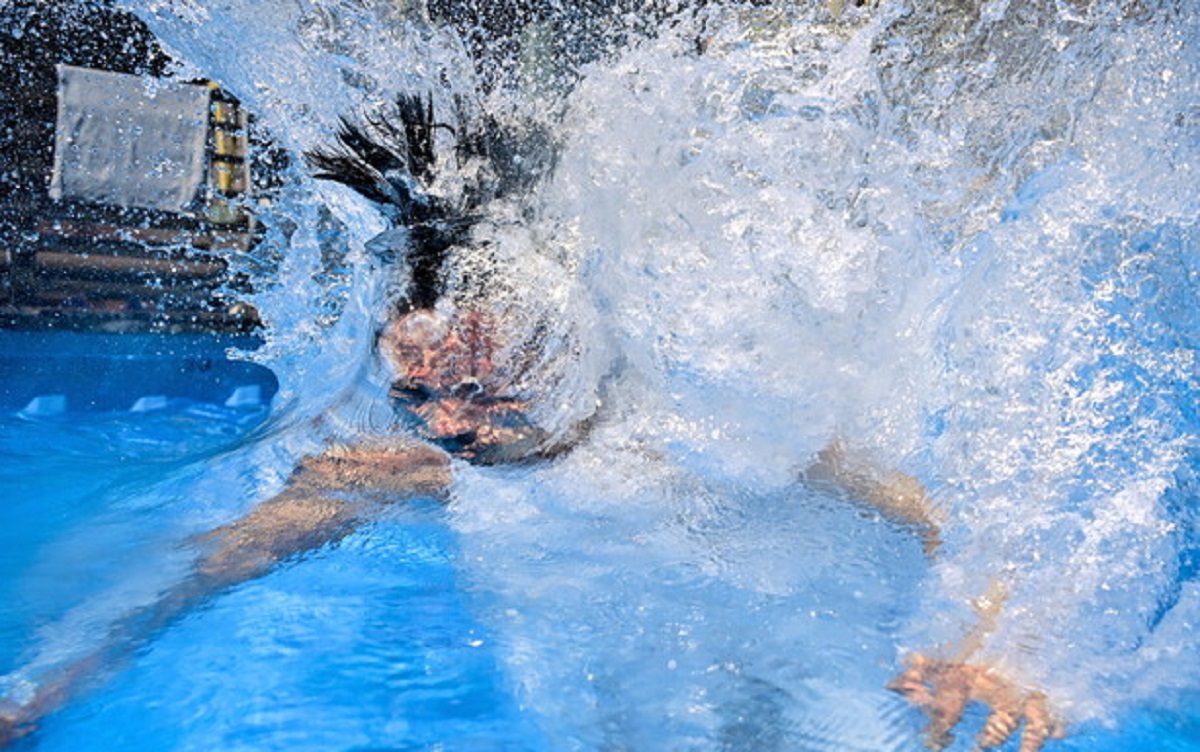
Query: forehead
x=420, y=327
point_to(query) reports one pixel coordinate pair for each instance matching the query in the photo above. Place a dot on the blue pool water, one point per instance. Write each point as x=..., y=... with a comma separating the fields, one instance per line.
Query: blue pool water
x=962, y=241
x=386, y=642
x=371, y=645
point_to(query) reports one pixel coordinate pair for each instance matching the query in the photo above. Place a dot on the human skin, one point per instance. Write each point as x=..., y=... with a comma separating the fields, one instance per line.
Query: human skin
x=326, y=497
x=942, y=685
x=445, y=379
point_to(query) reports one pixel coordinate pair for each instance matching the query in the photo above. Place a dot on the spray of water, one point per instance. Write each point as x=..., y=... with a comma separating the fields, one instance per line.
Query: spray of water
x=884, y=228
x=960, y=238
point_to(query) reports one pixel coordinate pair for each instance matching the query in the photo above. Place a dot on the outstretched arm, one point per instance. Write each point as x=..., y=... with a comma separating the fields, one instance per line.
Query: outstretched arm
x=942, y=687
x=898, y=497
x=326, y=498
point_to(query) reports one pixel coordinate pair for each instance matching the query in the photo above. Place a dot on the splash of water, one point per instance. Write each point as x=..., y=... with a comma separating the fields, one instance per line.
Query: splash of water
x=884, y=229
x=774, y=227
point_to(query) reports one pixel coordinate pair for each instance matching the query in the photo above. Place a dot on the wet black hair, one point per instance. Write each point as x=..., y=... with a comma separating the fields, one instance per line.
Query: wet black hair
x=391, y=159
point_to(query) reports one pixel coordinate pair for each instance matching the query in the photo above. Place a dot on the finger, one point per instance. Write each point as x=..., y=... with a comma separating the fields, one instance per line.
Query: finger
x=1000, y=725
x=949, y=700
x=13, y=726
x=911, y=684
x=915, y=692
x=1039, y=724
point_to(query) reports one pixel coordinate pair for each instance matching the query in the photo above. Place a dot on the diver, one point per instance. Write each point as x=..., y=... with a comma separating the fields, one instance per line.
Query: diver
x=461, y=380
x=453, y=397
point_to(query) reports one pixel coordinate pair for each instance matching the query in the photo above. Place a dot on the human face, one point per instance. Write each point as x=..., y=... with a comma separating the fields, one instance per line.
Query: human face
x=444, y=377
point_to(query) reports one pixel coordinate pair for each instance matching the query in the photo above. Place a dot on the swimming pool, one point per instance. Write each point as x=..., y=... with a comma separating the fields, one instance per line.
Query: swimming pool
x=369, y=645
x=657, y=626
x=773, y=228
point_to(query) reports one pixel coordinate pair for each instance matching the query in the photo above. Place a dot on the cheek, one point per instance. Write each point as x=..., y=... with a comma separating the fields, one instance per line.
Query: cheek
x=405, y=362
x=444, y=418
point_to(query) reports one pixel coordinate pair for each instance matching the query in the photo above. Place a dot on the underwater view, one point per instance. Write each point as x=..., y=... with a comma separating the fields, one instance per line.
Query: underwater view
x=813, y=375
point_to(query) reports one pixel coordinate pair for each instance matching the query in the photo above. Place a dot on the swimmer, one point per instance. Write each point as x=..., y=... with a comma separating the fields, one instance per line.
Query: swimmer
x=446, y=385
x=462, y=398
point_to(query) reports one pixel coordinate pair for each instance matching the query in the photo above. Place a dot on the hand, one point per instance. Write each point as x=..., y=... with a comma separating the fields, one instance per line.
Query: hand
x=942, y=689
x=12, y=723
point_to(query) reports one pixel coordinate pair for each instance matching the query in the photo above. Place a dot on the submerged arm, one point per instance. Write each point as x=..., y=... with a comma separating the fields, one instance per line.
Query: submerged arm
x=326, y=498
x=898, y=497
x=943, y=687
